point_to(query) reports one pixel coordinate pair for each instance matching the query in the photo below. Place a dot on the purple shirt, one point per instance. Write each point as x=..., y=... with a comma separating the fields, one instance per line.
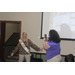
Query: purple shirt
x=53, y=51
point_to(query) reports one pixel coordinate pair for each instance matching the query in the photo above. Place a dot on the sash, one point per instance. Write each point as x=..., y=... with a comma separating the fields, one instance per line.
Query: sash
x=23, y=45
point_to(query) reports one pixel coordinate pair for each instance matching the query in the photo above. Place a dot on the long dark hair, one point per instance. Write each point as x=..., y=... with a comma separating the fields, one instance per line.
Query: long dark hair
x=54, y=36
x=69, y=58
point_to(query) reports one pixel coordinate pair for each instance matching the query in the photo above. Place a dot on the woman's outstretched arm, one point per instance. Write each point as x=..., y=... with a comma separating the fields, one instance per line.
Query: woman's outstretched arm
x=16, y=49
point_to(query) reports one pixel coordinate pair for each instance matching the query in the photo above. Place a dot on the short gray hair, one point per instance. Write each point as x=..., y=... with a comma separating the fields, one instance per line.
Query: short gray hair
x=24, y=32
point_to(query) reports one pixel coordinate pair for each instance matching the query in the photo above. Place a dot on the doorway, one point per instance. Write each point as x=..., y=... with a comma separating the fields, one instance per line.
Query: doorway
x=10, y=32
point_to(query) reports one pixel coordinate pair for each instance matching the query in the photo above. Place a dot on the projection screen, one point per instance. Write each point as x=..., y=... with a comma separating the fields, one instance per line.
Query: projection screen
x=62, y=22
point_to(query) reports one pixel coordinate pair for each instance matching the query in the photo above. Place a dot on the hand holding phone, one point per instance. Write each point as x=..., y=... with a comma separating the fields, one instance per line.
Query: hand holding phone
x=45, y=37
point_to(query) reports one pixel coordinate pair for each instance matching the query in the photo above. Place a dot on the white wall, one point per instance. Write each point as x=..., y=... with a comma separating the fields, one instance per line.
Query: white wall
x=10, y=29
x=31, y=23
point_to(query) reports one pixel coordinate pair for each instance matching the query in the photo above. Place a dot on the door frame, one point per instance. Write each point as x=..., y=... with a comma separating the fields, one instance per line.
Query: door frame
x=13, y=22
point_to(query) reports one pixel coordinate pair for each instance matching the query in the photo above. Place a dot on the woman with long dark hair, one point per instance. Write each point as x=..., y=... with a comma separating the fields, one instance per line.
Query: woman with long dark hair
x=52, y=47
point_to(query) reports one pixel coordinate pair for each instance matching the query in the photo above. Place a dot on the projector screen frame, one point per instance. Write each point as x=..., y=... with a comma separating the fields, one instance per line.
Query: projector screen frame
x=67, y=39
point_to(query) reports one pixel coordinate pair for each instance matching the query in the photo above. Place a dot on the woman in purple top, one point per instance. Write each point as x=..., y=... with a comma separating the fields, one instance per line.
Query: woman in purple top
x=52, y=47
